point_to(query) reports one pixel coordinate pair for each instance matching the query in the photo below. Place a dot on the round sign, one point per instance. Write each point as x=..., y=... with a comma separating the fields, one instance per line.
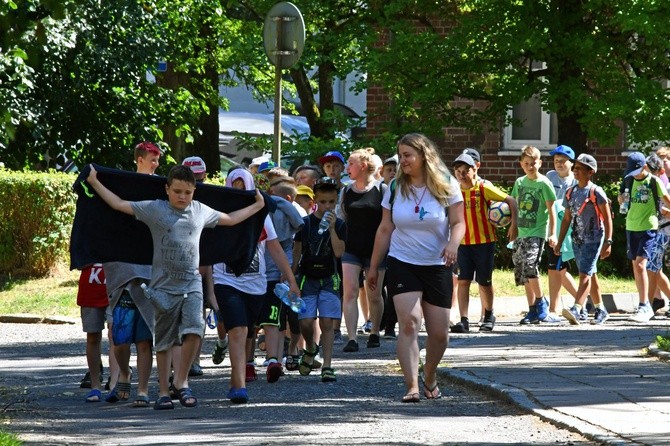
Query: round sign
x=284, y=35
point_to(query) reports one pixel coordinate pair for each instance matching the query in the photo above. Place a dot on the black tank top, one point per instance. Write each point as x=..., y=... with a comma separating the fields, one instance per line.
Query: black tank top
x=363, y=213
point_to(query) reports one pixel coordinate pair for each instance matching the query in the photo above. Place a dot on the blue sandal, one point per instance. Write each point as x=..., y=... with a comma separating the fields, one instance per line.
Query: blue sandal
x=185, y=395
x=113, y=396
x=163, y=403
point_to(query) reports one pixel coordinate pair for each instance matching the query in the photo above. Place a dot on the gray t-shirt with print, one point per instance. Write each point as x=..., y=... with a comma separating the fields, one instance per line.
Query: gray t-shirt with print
x=586, y=227
x=176, y=238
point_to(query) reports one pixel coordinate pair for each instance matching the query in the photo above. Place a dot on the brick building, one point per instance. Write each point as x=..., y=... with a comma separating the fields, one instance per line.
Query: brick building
x=500, y=150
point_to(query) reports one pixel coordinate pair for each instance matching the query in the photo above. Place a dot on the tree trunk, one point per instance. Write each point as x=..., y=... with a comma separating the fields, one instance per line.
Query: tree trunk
x=570, y=133
x=206, y=145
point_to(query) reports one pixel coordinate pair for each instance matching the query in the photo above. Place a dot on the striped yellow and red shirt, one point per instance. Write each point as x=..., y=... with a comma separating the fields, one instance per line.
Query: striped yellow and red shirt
x=478, y=229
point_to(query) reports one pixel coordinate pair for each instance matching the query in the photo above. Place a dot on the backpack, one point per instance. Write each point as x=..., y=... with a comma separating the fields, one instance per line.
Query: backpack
x=312, y=265
x=628, y=184
x=591, y=197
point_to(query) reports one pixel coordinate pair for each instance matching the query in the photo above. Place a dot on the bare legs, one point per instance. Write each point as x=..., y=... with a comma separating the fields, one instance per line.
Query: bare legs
x=410, y=307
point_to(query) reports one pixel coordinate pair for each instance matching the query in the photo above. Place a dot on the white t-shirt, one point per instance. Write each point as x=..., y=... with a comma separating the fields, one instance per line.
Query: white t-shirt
x=252, y=281
x=420, y=237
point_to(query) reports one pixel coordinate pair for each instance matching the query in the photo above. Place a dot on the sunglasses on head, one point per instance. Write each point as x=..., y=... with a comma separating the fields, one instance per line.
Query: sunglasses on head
x=326, y=180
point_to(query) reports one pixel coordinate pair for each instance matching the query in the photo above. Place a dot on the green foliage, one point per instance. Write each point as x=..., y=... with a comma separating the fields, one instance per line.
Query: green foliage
x=663, y=342
x=7, y=439
x=37, y=210
x=90, y=96
x=596, y=63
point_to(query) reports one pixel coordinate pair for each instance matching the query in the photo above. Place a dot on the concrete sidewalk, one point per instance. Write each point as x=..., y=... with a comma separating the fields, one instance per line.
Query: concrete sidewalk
x=597, y=380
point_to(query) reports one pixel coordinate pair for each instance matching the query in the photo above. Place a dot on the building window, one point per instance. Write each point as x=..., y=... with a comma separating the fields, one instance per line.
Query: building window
x=532, y=126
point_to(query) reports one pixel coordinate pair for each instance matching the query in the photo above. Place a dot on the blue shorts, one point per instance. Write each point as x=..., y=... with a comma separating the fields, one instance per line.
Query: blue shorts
x=476, y=261
x=435, y=282
x=321, y=298
x=237, y=308
x=363, y=262
x=661, y=242
x=586, y=256
x=640, y=244
x=128, y=325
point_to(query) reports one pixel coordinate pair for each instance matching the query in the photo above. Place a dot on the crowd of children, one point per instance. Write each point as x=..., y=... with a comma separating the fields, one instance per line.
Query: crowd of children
x=329, y=241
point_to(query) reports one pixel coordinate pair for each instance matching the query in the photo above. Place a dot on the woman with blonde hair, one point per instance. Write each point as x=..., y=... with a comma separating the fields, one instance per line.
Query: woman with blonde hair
x=361, y=208
x=421, y=229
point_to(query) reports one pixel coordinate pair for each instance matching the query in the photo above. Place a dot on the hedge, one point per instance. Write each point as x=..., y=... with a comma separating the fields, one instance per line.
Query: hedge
x=37, y=211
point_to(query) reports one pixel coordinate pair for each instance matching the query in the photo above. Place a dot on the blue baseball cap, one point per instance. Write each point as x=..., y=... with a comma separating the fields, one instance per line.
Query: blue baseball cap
x=266, y=165
x=332, y=156
x=634, y=164
x=563, y=150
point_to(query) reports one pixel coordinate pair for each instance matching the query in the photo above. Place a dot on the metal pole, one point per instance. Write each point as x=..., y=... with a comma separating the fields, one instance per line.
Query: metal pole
x=276, y=147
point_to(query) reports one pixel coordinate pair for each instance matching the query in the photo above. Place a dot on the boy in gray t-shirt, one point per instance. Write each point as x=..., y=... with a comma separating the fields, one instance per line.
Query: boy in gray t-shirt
x=176, y=225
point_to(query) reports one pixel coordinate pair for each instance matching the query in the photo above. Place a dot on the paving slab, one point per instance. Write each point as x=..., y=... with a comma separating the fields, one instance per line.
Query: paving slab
x=600, y=380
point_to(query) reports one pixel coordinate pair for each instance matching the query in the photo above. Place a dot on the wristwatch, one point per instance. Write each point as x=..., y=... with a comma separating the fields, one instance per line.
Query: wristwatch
x=608, y=241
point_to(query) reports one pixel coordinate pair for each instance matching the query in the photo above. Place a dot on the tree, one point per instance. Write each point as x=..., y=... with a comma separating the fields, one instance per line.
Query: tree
x=90, y=95
x=18, y=22
x=338, y=37
x=598, y=64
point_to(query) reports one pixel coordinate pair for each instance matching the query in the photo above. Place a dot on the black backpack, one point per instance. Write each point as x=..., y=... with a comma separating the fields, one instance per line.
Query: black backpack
x=316, y=265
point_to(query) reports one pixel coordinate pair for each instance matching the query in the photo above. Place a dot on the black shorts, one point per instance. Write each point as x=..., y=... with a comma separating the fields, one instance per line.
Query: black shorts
x=434, y=281
x=476, y=262
x=273, y=311
x=555, y=262
x=237, y=308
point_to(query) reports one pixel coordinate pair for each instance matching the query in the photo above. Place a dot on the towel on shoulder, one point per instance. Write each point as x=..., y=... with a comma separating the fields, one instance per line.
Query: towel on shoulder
x=101, y=234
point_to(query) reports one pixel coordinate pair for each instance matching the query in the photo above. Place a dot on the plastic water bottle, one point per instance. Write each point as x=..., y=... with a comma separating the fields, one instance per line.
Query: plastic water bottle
x=294, y=301
x=150, y=293
x=324, y=224
x=623, y=209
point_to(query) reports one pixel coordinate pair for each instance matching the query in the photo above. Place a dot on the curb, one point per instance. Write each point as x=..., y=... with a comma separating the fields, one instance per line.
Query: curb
x=27, y=318
x=653, y=350
x=525, y=401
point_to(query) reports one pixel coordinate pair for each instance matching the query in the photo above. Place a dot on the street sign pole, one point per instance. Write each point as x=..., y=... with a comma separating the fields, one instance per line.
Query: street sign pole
x=284, y=40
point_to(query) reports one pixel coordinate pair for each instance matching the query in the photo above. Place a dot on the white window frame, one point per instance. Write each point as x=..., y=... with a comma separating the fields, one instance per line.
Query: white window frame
x=543, y=143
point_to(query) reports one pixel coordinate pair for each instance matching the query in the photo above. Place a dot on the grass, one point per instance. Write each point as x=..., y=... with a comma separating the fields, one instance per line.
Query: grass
x=7, y=439
x=56, y=295
x=503, y=284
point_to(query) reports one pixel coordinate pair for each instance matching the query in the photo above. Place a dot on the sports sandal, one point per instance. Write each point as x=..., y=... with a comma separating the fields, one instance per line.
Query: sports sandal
x=141, y=401
x=186, y=397
x=292, y=362
x=115, y=394
x=328, y=375
x=163, y=403
x=305, y=367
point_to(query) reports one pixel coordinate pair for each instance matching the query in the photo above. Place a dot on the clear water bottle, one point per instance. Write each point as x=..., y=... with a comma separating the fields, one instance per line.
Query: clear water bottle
x=324, y=224
x=623, y=209
x=150, y=293
x=294, y=301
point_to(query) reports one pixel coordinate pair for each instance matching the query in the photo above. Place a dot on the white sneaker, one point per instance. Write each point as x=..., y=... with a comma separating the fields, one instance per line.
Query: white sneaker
x=642, y=313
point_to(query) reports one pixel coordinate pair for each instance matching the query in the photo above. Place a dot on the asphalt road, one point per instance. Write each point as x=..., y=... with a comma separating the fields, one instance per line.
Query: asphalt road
x=40, y=399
